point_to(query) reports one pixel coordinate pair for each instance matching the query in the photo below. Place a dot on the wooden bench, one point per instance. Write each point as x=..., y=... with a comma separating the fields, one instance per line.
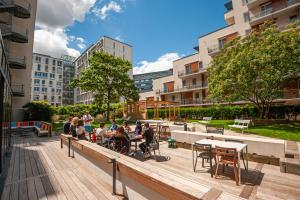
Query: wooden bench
x=240, y=124
x=205, y=120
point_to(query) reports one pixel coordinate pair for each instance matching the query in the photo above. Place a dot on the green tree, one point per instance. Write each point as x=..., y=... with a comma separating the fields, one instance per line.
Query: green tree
x=108, y=78
x=253, y=68
x=38, y=111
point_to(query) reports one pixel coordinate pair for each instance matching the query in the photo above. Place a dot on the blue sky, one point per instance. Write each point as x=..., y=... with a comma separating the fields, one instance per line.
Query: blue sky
x=155, y=28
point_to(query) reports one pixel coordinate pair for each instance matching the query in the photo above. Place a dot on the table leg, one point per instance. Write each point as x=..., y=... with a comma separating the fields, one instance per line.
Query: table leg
x=239, y=166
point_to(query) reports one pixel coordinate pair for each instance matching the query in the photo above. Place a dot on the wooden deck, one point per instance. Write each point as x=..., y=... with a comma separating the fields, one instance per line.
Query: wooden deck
x=39, y=170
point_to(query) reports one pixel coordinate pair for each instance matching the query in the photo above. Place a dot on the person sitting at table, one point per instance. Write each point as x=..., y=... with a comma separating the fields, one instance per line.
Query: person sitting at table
x=148, y=135
x=80, y=131
x=67, y=125
x=126, y=127
x=113, y=126
x=138, y=129
x=100, y=133
x=73, y=126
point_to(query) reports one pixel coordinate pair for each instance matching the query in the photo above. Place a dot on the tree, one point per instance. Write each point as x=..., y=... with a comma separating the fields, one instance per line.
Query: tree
x=253, y=68
x=38, y=111
x=107, y=77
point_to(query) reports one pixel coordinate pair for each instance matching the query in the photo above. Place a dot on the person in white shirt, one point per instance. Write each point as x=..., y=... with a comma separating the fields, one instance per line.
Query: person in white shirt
x=87, y=118
x=100, y=133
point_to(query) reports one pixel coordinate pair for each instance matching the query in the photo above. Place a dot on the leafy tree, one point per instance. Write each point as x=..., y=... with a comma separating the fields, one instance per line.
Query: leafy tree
x=38, y=111
x=107, y=77
x=253, y=68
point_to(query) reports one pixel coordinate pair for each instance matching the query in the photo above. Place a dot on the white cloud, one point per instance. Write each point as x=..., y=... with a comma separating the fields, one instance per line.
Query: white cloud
x=103, y=12
x=52, y=19
x=119, y=38
x=164, y=62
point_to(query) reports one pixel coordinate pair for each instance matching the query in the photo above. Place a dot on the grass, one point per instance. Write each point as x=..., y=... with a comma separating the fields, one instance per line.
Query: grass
x=290, y=131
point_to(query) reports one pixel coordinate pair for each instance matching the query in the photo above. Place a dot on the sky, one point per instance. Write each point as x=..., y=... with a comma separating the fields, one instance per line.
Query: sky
x=160, y=31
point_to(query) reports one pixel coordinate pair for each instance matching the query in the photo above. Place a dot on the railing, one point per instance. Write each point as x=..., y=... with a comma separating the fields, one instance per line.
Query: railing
x=18, y=89
x=22, y=3
x=193, y=101
x=184, y=88
x=190, y=72
x=213, y=49
x=273, y=9
x=9, y=28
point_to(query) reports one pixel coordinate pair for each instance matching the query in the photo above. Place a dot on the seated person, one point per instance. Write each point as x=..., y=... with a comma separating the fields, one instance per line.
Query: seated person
x=73, y=126
x=100, y=133
x=138, y=129
x=148, y=135
x=113, y=126
x=80, y=131
x=126, y=127
x=67, y=125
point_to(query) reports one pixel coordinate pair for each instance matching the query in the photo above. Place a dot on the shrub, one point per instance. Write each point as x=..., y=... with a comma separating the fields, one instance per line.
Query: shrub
x=38, y=111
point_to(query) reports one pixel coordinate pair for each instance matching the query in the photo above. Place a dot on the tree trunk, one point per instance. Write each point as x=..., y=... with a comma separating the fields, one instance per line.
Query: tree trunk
x=108, y=110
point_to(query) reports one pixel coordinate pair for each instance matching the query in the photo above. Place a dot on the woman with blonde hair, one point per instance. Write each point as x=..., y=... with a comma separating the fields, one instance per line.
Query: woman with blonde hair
x=73, y=126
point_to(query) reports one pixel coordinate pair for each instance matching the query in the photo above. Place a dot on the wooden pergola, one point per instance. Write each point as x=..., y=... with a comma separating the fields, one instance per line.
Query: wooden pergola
x=138, y=109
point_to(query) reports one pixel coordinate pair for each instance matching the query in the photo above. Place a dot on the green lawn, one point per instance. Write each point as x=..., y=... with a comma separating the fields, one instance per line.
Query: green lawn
x=289, y=131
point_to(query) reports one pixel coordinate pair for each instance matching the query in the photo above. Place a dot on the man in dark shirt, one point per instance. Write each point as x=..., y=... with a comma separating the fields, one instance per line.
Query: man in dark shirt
x=67, y=125
x=148, y=135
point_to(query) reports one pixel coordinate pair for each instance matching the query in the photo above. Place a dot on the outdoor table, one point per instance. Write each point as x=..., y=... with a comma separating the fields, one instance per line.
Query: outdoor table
x=135, y=139
x=238, y=146
x=158, y=122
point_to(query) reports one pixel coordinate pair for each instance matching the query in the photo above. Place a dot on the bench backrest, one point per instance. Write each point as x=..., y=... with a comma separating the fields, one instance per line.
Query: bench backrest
x=241, y=122
x=207, y=118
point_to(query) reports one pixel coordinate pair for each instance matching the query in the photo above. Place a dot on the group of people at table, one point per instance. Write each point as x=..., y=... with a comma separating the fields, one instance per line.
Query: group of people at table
x=115, y=137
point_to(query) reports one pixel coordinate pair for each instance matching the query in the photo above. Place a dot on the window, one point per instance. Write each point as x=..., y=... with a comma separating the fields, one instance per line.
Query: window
x=52, y=76
x=53, y=69
x=47, y=61
x=194, y=81
x=222, y=42
x=197, y=96
x=59, y=63
x=39, y=67
x=44, y=89
x=36, y=89
x=46, y=68
x=36, y=98
x=52, y=90
x=54, y=62
x=45, y=97
x=36, y=81
x=246, y=17
x=52, y=98
x=173, y=98
x=60, y=76
x=183, y=83
x=50, y=83
x=59, y=70
x=266, y=9
x=38, y=59
x=293, y=18
x=200, y=65
x=43, y=82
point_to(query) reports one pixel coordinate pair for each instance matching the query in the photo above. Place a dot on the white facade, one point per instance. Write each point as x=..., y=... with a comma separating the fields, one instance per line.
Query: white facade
x=105, y=44
x=47, y=79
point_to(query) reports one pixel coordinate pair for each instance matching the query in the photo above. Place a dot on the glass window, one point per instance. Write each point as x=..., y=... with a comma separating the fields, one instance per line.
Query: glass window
x=43, y=82
x=54, y=62
x=46, y=68
x=50, y=83
x=45, y=97
x=53, y=69
x=246, y=17
x=266, y=9
x=197, y=96
x=52, y=76
x=39, y=67
x=38, y=59
x=194, y=81
x=36, y=81
x=44, y=89
x=36, y=89
x=47, y=60
x=59, y=63
x=183, y=83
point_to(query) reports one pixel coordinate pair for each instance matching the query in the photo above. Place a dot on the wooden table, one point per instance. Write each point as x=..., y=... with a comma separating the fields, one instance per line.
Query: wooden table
x=238, y=146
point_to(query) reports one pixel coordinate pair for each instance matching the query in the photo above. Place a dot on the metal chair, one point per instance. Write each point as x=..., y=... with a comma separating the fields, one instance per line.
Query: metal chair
x=204, y=151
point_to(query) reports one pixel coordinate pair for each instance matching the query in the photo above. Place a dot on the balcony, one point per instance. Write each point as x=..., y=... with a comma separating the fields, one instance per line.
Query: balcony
x=14, y=33
x=189, y=102
x=186, y=88
x=274, y=12
x=17, y=63
x=187, y=73
x=20, y=8
x=253, y=3
x=213, y=50
x=18, y=90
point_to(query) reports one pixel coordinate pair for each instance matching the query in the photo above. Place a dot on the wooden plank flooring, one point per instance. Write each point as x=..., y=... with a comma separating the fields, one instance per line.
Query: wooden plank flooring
x=39, y=170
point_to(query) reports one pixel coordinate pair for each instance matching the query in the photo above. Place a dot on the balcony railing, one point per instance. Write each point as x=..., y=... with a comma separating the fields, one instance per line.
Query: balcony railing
x=204, y=85
x=214, y=49
x=18, y=90
x=267, y=12
x=17, y=62
x=193, y=101
x=190, y=72
x=14, y=33
x=19, y=8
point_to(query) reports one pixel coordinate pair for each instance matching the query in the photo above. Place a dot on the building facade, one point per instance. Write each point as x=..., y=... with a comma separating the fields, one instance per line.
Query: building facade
x=68, y=75
x=17, y=23
x=47, y=79
x=189, y=83
x=105, y=44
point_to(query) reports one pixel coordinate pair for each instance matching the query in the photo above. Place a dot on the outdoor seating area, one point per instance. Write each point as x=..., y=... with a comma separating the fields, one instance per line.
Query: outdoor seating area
x=40, y=128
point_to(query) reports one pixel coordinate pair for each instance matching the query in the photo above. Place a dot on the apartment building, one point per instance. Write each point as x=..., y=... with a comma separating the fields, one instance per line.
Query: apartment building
x=68, y=75
x=47, y=79
x=17, y=23
x=189, y=83
x=105, y=44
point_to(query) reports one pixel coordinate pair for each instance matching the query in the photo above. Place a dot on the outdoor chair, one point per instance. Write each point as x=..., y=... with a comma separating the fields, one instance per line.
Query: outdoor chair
x=225, y=157
x=204, y=151
x=242, y=153
x=215, y=129
x=154, y=146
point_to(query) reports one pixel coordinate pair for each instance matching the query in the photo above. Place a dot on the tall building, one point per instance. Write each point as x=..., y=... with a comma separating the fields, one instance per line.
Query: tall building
x=17, y=23
x=189, y=83
x=105, y=44
x=68, y=75
x=47, y=79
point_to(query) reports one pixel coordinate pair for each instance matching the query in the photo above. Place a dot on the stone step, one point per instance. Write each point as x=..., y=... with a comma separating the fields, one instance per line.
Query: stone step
x=290, y=165
x=291, y=149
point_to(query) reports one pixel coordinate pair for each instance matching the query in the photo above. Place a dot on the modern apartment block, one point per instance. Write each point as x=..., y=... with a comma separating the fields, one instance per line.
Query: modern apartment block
x=17, y=23
x=105, y=44
x=47, y=79
x=189, y=85
x=68, y=75
x=144, y=82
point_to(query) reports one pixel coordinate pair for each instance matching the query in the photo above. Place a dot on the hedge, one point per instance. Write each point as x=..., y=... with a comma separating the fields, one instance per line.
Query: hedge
x=230, y=112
